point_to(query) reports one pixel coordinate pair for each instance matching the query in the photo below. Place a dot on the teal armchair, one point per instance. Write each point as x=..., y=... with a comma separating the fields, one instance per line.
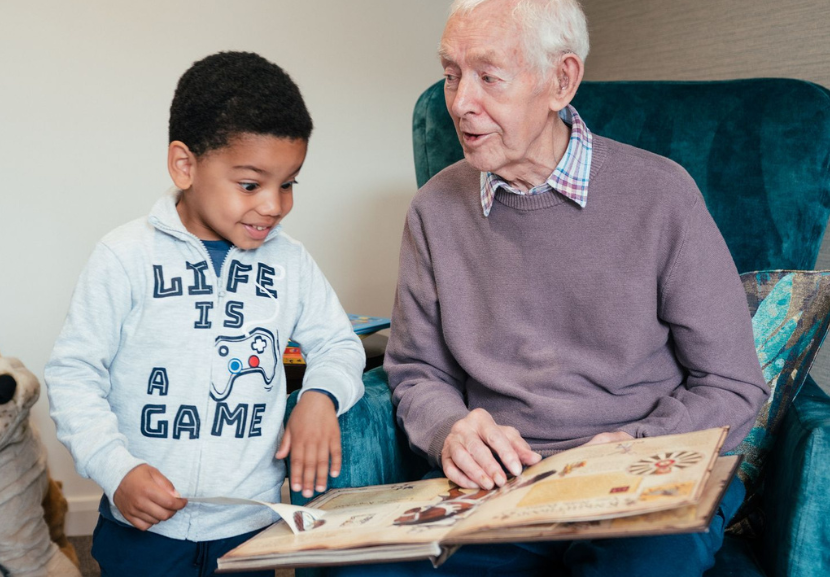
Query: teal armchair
x=759, y=151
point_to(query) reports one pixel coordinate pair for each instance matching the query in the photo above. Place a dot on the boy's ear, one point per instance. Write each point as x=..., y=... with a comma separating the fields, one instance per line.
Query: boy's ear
x=180, y=163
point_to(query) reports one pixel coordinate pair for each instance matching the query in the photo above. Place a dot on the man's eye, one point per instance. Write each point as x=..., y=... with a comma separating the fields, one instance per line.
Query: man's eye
x=288, y=185
x=489, y=79
x=249, y=186
x=450, y=78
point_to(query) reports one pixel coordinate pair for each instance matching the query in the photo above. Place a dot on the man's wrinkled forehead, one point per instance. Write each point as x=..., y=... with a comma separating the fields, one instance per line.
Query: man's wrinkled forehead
x=475, y=32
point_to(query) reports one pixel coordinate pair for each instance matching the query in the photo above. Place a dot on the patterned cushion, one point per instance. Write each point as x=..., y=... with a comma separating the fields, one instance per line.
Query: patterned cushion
x=790, y=317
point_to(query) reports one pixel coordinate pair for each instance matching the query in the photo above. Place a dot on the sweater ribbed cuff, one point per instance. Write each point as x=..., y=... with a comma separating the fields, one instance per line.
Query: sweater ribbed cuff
x=442, y=431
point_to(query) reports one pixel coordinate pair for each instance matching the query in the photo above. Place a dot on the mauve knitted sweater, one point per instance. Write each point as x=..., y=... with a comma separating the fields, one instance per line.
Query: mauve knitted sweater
x=565, y=322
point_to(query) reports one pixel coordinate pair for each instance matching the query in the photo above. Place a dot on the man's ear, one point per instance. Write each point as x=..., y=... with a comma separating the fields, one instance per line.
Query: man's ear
x=181, y=164
x=567, y=76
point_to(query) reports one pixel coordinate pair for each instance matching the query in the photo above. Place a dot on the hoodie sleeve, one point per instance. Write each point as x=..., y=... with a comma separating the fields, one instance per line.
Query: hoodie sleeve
x=78, y=373
x=334, y=355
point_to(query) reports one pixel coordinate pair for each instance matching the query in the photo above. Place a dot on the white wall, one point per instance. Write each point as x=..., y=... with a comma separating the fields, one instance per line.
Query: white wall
x=85, y=88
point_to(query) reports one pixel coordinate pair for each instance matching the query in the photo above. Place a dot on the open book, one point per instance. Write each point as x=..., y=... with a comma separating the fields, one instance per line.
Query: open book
x=657, y=485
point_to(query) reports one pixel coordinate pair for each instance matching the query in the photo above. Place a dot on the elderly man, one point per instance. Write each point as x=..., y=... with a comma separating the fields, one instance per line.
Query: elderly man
x=559, y=288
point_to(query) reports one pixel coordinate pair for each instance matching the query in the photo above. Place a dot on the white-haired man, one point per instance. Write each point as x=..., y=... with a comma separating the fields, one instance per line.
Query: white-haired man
x=558, y=288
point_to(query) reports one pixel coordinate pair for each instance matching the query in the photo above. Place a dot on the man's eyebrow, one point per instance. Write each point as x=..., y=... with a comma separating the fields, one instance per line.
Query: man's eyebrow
x=444, y=54
x=487, y=57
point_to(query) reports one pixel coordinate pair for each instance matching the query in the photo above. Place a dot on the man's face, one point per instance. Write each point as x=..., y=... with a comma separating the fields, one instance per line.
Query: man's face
x=240, y=192
x=502, y=113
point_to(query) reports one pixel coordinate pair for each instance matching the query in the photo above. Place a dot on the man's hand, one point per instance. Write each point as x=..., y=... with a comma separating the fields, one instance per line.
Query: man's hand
x=146, y=497
x=312, y=436
x=617, y=437
x=469, y=453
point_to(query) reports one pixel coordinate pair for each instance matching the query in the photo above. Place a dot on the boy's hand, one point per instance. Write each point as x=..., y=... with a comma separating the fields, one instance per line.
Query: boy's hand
x=146, y=497
x=312, y=436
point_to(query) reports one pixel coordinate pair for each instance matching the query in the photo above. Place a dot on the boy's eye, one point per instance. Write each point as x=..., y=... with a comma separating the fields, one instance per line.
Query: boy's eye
x=249, y=186
x=288, y=185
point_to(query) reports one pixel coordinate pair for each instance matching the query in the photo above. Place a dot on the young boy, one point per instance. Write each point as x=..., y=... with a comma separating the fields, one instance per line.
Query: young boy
x=166, y=381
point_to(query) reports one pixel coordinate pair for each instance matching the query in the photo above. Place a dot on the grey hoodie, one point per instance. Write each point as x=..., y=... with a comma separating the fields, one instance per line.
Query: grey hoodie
x=161, y=362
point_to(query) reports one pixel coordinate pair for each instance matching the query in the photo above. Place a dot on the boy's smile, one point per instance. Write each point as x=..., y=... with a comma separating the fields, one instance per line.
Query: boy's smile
x=239, y=192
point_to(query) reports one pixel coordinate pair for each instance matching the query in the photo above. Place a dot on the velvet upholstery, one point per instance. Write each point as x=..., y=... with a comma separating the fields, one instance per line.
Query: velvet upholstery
x=760, y=152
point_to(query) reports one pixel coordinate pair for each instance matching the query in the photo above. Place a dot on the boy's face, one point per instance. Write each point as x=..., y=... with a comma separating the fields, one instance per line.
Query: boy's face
x=239, y=192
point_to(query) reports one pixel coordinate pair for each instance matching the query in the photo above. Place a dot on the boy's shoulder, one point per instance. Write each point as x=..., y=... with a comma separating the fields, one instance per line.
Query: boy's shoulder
x=129, y=236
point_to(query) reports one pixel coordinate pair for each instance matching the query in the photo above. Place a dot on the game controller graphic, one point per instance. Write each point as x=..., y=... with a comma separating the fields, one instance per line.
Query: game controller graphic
x=255, y=352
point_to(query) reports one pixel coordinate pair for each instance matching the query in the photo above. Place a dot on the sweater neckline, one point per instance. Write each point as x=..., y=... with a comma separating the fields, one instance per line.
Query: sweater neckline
x=553, y=198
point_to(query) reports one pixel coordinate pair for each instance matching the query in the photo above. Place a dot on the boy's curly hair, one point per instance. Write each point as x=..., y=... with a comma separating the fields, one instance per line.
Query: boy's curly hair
x=231, y=93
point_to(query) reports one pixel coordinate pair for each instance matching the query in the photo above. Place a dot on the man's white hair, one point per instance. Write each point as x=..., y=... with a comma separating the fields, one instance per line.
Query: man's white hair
x=551, y=28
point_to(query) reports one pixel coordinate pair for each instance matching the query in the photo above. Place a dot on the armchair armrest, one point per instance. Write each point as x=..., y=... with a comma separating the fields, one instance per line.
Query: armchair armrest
x=796, y=536
x=375, y=450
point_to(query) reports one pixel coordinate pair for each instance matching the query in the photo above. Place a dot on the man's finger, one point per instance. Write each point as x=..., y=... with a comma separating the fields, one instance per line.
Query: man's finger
x=470, y=466
x=526, y=455
x=499, y=443
x=485, y=459
x=455, y=474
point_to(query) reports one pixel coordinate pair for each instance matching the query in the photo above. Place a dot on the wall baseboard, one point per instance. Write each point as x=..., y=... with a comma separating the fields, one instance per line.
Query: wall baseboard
x=82, y=515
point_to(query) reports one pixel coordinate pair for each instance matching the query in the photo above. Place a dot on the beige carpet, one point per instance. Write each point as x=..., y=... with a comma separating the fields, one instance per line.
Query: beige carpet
x=89, y=567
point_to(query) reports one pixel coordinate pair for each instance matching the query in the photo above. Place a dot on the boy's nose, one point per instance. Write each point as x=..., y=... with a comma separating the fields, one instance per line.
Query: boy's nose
x=271, y=204
x=7, y=388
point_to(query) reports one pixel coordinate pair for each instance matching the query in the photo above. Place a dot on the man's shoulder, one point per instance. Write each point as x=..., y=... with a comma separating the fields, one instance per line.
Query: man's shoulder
x=457, y=182
x=630, y=169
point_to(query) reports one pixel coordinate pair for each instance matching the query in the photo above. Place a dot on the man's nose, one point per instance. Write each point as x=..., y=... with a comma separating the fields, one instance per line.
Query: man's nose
x=465, y=100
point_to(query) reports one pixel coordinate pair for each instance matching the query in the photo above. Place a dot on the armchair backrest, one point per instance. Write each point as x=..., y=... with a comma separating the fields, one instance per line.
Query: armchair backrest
x=758, y=149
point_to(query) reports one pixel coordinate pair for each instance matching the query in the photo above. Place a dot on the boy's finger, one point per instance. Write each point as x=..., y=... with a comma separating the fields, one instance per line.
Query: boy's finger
x=309, y=471
x=155, y=512
x=145, y=517
x=169, y=497
x=139, y=524
x=297, y=457
x=336, y=458
x=285, y=446
x=322, y=469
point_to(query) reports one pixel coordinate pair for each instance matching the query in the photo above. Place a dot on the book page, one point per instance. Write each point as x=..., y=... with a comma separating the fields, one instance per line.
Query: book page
x=602, y=481
x=417, y=512
x=684, y=519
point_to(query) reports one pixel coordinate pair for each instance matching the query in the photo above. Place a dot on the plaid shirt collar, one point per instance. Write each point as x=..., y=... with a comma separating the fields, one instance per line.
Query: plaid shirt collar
x=569, y=178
